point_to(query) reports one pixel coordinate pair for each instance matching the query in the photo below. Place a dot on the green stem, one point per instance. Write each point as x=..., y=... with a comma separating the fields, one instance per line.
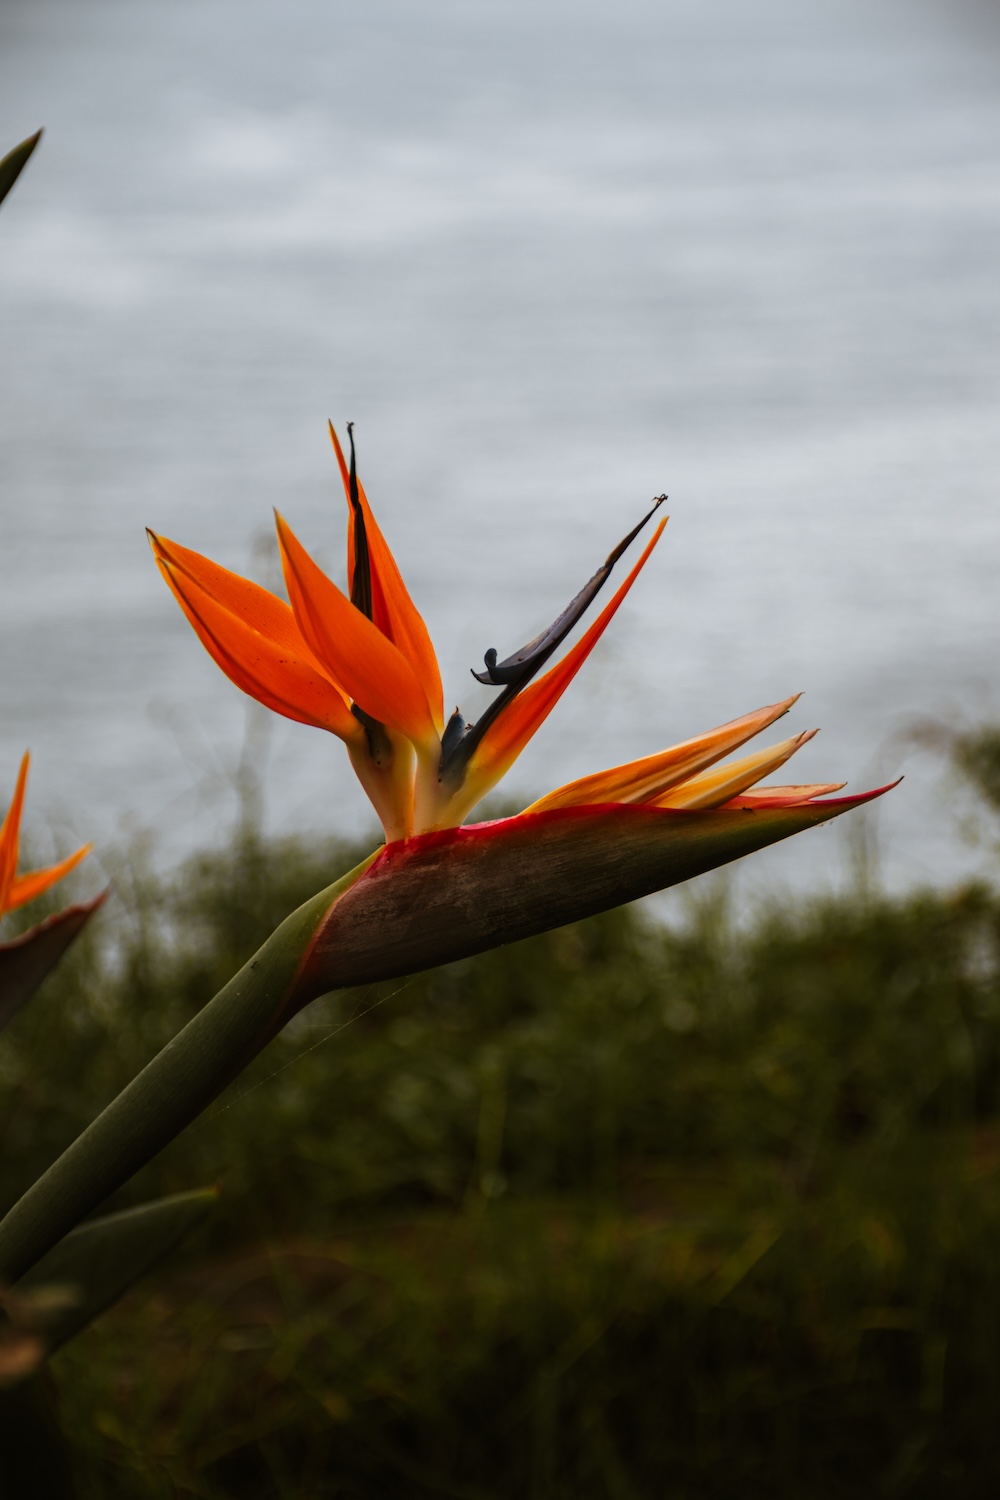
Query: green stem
x=171, y=1091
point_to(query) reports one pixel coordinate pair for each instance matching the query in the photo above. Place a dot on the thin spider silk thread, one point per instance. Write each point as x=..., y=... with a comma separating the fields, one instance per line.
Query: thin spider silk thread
x=358, y=1015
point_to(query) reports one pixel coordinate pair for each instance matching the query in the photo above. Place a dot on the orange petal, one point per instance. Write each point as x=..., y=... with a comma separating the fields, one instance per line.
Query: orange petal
x=10, y=835
x=393, y=611
x=506, y=738
x=371, y=669
x=26, y=887
x=255, y=606
x=284, y=679
x=715, y=787
x=644, y=780
x=785, y=796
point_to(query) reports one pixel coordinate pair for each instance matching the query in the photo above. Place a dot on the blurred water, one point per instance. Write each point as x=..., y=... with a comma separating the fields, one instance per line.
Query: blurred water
x=553, y=259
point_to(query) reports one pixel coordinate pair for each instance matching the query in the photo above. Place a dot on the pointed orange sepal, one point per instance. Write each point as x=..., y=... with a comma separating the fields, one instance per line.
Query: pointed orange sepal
x=25, y=888
x=370, y=668
x=644, y=780
x=253, y=637
x=715, y=787
x=257, y=607
x=393, y=610
x=10, y=835
x=17, y=890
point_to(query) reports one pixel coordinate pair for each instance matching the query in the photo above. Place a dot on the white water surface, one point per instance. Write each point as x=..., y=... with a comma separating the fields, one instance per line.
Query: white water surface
x=553, y=259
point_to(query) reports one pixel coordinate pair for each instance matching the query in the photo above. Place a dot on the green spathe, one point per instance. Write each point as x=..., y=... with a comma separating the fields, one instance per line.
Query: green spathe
x=444, y=896
x=418, y=903
x=26, y=961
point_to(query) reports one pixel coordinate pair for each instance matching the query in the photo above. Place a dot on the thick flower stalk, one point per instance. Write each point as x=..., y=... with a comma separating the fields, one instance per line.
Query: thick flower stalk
x=360, y=664
x=25, y=961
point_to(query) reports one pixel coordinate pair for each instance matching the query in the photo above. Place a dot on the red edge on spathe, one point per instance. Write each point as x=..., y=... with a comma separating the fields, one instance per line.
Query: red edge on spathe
x=79, y=909
x=482, y=832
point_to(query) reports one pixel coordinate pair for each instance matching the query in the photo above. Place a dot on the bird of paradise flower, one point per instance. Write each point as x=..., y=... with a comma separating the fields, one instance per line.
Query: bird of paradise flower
x=362, y=666
x=17, y=890
x=25, y=960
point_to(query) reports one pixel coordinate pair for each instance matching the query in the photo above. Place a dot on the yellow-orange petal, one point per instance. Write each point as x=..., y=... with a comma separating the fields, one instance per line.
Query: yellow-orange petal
x=785, y=796
x=644, y=780
x=10, y=834
x=285, y=680
x=713, y=788
x=25, y=888
x=369, y=667
x=393, y=610
x=506, y=738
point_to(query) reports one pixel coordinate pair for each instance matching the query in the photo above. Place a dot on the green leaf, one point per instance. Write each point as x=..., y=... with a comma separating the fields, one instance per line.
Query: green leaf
x=14, y=162
x=95, y=1264
x=26, y=960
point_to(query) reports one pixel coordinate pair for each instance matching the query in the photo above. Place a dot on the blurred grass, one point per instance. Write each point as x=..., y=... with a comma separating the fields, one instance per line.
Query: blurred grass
x=623, y=1211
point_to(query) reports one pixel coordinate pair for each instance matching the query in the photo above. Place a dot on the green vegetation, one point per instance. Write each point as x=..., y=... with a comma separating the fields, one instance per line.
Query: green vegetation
x=623, y=1211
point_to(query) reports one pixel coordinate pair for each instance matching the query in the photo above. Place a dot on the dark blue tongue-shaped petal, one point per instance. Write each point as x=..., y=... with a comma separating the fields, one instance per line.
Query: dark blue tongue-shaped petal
x=460, y=739
x=379, y=744
x=523, y=665
x=361, y=581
